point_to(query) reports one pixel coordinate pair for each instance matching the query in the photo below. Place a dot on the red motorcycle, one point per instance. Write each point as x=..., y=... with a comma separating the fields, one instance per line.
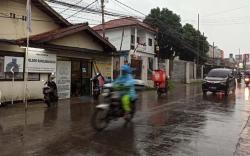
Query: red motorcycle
x=160, y=82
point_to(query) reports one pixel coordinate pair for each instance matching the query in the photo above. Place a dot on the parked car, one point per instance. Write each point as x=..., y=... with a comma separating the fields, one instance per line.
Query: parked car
x=219, y=80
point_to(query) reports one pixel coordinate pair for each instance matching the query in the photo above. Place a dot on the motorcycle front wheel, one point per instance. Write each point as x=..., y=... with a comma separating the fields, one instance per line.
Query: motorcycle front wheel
x=99, y=119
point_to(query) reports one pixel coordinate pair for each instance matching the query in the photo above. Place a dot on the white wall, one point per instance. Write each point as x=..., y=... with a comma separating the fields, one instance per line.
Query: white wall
x=150, y=49
x=115, y=37
x=16, y=28
x=17, y=91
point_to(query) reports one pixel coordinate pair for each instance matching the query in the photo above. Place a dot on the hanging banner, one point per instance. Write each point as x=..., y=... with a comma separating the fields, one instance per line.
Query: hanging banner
x=40, y=62
x=63, y=78
x=13, y=64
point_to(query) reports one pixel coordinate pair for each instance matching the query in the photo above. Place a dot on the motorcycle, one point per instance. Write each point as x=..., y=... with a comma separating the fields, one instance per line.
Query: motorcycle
x=247, y=81
x=239, y=78
x=112, y=110
x=96, y=86
x=161, y=88
x=50, y=94
x=160, y=82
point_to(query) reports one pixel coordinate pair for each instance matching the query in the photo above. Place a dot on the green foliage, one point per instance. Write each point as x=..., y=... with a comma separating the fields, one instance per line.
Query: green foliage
x=170, y=30
x=175, y=40
x=170, y=85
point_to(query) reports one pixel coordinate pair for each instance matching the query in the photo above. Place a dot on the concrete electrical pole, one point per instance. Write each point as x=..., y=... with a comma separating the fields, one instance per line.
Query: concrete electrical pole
x=103, y=21
x=198, y=40
x=213, y=54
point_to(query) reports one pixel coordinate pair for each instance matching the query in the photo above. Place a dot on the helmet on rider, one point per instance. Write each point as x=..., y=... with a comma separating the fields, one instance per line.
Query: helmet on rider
x=125, y=70
x=52, y=76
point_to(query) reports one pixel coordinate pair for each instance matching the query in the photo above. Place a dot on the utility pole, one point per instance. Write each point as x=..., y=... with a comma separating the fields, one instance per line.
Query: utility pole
x=103, y=21
x=203, y=48
x=213, y=54
x=198, y=40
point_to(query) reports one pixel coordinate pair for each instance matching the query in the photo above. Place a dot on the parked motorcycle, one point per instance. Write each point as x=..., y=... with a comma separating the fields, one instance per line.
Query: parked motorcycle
x=112, y=110
x=50, y=94
x=97, y=80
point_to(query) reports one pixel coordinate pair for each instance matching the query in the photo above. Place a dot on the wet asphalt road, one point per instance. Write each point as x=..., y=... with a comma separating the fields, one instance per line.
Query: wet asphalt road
x=183, y=123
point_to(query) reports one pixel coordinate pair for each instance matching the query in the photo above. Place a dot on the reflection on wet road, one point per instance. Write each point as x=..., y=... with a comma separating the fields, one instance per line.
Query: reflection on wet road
x=182, y=123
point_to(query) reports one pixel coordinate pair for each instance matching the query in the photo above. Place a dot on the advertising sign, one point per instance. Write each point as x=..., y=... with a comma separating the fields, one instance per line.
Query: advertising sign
x=40, y=62
x=105, y=68
x=13, y=64
x=63, y=78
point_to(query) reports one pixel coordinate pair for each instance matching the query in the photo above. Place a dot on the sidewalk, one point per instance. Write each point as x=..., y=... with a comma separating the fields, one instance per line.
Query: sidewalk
x=243, y=145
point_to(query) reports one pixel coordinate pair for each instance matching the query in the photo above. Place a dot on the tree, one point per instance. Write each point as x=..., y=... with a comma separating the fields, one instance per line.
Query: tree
x=169, y=30
x=190, y=42
x=175, y=40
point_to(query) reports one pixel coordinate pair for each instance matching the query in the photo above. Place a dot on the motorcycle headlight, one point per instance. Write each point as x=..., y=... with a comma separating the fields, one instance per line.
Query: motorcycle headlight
x=247, y=79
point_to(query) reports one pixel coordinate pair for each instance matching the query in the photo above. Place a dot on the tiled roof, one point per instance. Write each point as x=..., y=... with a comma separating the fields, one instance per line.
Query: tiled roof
x=62, y=32
x=124, y=22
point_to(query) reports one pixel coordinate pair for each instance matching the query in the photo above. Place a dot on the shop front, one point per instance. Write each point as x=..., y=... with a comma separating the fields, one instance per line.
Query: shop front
x=73, y=77
x=71, y=55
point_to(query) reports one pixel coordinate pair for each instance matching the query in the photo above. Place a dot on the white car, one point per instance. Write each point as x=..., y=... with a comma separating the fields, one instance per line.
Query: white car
x=139, y=85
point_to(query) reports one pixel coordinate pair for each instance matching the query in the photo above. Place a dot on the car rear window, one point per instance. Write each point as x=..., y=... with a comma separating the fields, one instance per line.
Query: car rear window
x=218, y=73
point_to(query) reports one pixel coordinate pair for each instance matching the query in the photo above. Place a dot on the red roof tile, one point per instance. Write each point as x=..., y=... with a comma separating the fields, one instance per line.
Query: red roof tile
x=124, y=22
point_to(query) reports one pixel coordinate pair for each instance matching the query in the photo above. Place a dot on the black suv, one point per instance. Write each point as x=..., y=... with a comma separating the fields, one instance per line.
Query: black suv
x=219, y=80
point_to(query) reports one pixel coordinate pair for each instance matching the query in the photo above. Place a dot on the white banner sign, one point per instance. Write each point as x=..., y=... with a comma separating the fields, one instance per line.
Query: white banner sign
x=13, y=64
x=63, y=78
x=40, y=62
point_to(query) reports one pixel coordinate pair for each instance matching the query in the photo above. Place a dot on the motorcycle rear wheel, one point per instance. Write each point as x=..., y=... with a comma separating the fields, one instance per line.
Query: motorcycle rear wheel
x=99, y=119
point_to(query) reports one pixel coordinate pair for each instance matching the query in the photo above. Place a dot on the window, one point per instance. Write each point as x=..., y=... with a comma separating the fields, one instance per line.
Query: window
x=138, y=39
x=33, y=77
x=132, y=47
x=150, y=42
x=10, y=64
x=132, y=39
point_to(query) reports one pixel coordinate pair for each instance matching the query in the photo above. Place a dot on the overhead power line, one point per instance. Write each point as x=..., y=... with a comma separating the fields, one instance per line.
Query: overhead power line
x=91, y=10
x=70, y=7
x=130, y=7
x=82, y=9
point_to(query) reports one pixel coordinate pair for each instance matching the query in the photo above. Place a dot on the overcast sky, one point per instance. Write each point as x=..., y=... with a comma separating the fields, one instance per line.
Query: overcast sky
x=225, y=22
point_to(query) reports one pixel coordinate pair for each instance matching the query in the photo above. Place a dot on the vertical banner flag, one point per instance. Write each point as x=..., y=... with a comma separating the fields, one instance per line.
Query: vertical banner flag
x=29, y=16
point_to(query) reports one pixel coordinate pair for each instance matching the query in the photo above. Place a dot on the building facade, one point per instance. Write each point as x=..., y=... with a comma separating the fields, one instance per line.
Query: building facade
x=73, y=52
x=135, y=43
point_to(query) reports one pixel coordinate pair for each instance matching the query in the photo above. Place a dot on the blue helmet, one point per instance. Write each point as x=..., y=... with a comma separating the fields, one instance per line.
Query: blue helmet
x=126, y=69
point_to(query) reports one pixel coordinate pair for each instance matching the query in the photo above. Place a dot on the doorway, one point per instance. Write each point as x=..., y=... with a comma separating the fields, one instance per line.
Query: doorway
x=136, y=65
x=80, y=78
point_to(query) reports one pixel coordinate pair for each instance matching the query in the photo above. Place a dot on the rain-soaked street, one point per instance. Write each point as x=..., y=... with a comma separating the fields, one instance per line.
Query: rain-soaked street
x=183, y=123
